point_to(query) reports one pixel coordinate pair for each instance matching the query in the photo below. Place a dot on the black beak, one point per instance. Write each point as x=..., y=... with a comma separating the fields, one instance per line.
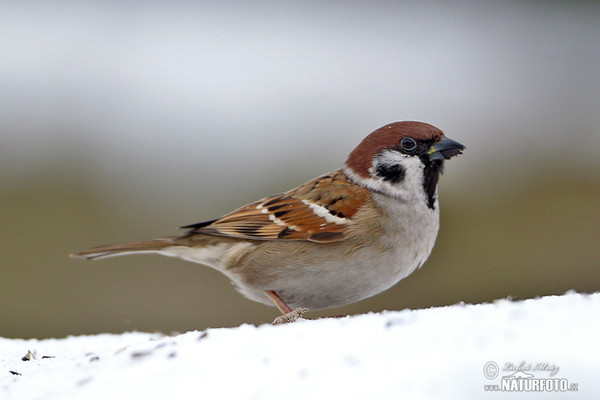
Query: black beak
x=445, y=149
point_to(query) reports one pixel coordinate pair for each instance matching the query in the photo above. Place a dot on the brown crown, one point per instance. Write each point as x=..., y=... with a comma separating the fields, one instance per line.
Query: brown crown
x=387, y=136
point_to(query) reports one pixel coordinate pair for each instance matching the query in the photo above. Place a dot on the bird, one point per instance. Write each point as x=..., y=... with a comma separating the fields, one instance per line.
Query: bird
x=339, y=238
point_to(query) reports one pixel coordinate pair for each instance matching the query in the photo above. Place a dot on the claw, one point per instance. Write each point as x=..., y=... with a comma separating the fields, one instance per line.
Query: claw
x=290, y=317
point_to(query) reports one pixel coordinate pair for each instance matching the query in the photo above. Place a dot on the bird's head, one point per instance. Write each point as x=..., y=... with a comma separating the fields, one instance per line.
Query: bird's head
x=402, y=159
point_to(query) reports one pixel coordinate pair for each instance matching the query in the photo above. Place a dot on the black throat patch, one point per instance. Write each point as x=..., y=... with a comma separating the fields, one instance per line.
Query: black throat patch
x=431, y=175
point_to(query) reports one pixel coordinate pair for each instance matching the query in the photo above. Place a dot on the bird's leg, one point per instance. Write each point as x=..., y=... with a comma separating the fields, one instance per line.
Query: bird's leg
x=274, y=297
x=289, y=315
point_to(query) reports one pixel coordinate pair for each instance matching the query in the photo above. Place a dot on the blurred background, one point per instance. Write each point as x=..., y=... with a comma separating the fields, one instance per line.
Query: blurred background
x=121, y=120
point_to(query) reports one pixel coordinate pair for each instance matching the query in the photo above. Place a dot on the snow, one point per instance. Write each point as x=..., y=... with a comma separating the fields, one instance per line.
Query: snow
x=431, y=353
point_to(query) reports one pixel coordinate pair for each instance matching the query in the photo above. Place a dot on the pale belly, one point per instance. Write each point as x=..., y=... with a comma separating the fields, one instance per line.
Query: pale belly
x=319, y=276
x=316, y=276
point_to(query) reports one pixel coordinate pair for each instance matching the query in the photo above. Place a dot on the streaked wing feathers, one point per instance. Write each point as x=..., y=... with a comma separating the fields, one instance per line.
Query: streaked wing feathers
x=319, y=211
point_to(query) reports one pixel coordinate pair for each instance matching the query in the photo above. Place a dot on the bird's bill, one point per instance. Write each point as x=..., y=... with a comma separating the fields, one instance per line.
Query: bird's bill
x=445, y=149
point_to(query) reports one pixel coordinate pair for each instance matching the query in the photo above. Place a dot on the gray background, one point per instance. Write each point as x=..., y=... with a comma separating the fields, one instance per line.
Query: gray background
x=123, y=120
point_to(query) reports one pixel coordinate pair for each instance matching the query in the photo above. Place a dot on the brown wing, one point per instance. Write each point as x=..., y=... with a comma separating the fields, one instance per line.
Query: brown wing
x=319, y=211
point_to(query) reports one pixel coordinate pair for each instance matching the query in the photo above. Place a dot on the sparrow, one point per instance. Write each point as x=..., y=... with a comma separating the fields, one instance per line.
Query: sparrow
x=337, y=239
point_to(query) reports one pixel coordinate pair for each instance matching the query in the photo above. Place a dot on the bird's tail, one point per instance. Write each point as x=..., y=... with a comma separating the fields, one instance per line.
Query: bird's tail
x=142, y=246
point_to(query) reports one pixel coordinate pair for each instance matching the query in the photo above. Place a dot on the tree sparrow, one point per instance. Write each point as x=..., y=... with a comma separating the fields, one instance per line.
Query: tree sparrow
x=340, y=238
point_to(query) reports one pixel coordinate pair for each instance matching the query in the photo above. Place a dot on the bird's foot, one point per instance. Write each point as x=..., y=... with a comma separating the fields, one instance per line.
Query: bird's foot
x=290, y=317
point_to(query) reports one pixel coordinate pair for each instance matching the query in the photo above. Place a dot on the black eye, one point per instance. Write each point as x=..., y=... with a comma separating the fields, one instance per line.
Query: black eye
x=408, y=144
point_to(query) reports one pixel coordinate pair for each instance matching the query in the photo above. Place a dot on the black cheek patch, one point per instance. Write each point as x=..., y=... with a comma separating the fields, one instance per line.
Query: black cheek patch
x=393, y=173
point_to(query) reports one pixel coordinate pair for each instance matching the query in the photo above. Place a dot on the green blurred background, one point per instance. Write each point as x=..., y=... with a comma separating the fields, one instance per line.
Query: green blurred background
x=122, y=122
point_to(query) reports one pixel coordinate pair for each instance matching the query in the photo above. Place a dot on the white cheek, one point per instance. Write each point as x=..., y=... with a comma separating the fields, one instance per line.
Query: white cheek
x=409, y=189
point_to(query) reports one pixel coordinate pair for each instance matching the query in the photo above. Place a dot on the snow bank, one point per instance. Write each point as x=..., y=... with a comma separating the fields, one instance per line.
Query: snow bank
x=448, y=352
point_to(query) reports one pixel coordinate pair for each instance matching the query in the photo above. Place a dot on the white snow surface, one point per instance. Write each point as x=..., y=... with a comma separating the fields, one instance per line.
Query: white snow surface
x=412, y=354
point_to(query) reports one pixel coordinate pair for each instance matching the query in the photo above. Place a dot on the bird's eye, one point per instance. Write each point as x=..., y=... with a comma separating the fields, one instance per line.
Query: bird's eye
x=408, y=144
